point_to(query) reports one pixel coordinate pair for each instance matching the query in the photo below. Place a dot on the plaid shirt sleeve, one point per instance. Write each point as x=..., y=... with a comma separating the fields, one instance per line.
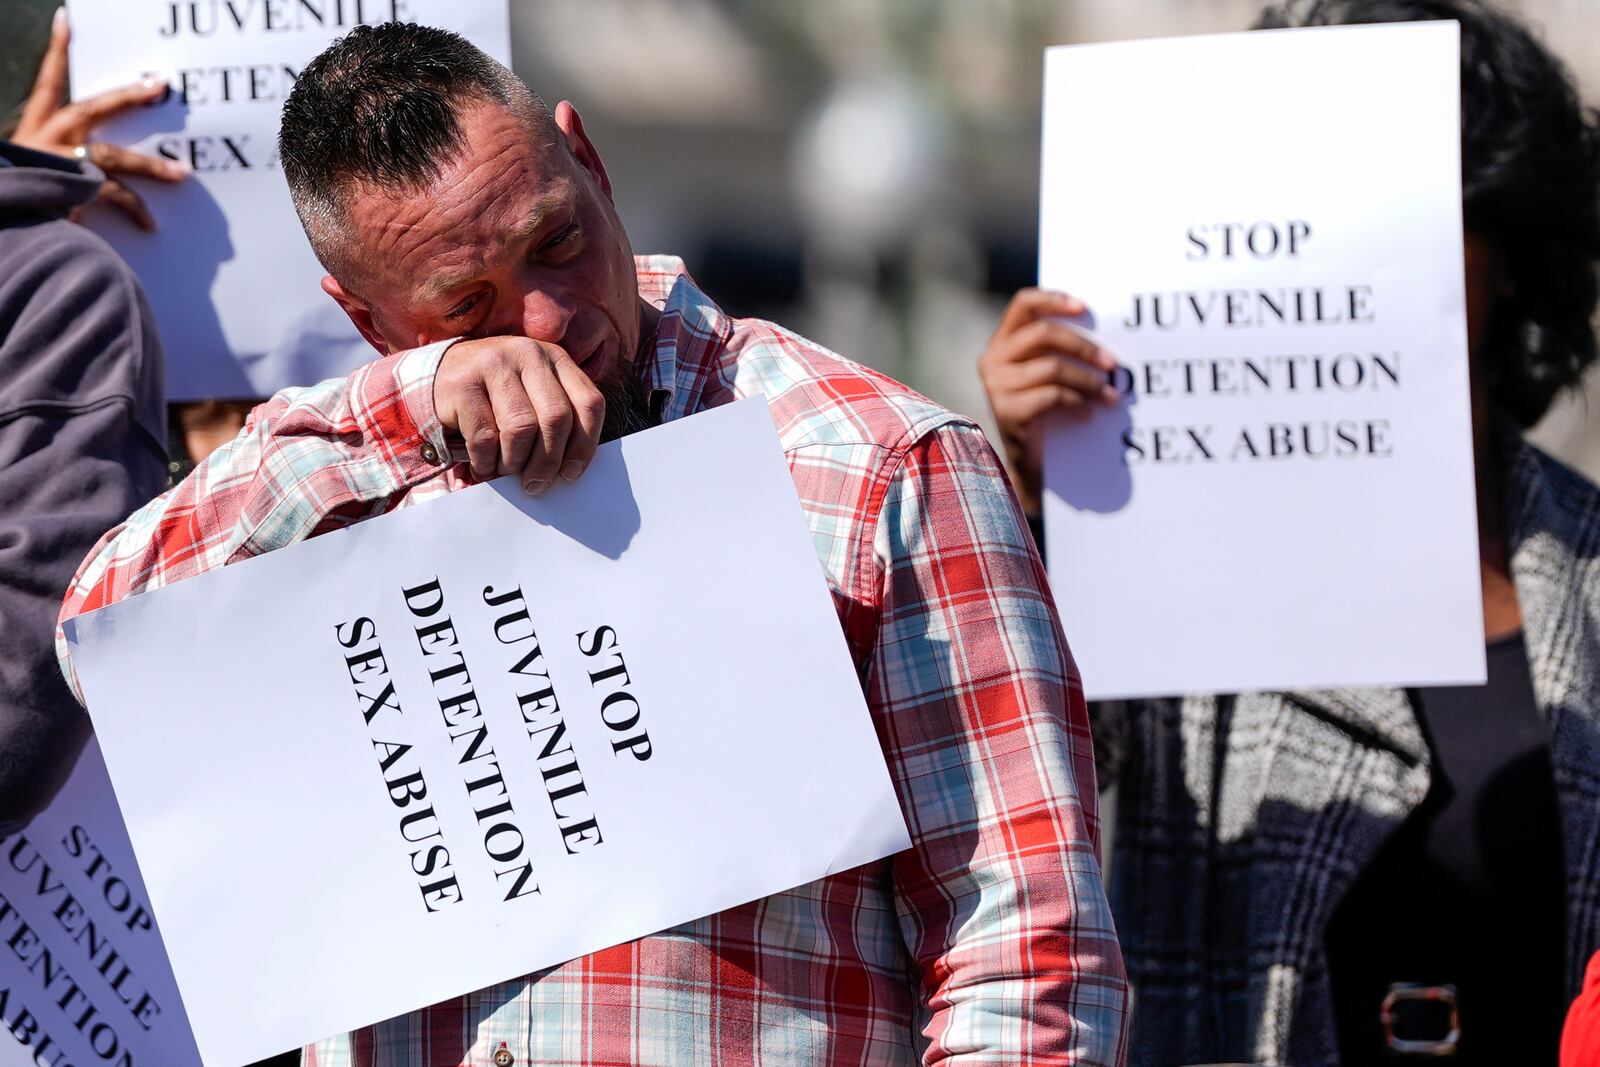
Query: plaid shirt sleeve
x=985, y=726
x=308, y=460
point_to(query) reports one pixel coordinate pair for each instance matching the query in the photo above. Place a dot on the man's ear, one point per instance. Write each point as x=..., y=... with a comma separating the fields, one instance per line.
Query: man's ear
x=583, y=150
x=359, y=313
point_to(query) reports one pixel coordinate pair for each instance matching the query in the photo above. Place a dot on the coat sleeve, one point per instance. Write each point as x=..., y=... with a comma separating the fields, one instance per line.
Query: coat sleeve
x=982, y=717
x=79, y=405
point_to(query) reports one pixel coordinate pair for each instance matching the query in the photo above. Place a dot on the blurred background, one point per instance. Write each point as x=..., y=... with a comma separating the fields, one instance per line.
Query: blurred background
x=862, y=171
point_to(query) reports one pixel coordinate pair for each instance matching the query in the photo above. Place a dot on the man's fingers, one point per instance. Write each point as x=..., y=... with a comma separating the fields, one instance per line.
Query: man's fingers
x=515, y=419
x=589, y=412
x=50, y=87
x=117, y=160
x=556, y=421
x=1031, y=303
x=474, y=416
x=521, y=407
x=87, y=114
x=128, y=202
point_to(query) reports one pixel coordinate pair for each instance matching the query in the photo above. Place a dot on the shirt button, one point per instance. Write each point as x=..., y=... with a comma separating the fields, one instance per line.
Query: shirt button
x=431, y=455
x=503, y=1056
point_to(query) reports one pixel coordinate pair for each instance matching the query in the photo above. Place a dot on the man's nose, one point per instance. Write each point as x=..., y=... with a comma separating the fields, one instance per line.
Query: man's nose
x=546, y=315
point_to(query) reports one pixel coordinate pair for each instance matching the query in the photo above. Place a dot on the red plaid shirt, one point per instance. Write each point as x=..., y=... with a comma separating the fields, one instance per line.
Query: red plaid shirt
x=990, y=941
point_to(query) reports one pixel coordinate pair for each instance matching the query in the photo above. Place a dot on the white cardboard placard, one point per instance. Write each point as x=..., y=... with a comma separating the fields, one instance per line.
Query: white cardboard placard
x=233, y=282
x=83, y=975
x=663, y=624
x=1267, y=230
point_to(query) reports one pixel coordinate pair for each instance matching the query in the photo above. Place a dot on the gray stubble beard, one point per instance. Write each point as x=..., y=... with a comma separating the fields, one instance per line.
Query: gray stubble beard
x=627, y=408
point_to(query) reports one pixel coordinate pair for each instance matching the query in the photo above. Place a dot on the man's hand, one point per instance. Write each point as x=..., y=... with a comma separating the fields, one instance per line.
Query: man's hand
x=50, y=124
x=521, y=407
x=1036, y=364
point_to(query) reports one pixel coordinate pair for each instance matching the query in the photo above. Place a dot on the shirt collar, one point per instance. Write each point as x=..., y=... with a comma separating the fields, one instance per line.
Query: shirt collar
x=683, y=361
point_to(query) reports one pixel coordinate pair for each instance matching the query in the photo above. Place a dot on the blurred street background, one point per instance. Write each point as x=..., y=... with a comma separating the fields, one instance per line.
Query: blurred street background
x=862, y=171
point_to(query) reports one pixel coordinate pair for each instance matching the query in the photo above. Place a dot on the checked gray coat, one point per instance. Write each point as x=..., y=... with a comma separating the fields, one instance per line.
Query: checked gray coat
x=1241, y=820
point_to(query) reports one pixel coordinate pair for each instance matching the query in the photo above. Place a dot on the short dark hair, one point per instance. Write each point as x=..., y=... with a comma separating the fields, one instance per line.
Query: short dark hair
x=1530, y=174
x=379, y=107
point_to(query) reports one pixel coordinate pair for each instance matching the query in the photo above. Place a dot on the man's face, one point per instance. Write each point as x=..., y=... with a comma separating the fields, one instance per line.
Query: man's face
x=518, y=237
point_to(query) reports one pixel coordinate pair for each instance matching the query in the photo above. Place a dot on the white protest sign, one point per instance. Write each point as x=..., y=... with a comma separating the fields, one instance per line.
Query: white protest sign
x=1267, y=230
x=83, y=977
x=233, y=282
x=487, y=734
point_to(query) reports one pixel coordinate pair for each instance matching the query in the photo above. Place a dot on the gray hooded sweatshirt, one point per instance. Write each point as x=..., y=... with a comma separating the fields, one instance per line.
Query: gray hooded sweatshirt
x=82, y=432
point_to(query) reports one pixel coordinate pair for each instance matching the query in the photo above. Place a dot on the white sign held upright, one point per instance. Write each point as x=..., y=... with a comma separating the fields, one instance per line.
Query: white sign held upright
x=1267, y=229
x=233, y=283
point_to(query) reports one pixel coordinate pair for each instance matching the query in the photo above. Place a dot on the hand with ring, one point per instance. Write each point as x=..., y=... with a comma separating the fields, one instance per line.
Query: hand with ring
x=50, y=124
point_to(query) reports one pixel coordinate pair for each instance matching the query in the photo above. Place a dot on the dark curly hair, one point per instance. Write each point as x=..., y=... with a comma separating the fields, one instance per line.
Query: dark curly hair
x=1530, y=171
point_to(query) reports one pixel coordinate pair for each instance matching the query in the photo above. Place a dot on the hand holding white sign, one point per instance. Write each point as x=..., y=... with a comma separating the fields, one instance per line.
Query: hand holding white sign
x=1034, y=365
x=471, y=724
x=50, y=124
x=1284, y=497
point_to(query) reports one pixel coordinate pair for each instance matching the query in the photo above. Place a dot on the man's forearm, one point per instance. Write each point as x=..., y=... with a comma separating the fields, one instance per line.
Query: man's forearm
x=308, y=460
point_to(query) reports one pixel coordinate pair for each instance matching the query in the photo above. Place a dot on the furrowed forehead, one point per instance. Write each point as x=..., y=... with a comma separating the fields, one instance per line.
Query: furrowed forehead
x=331, y=166
x=501, y=185
x=505, y=228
